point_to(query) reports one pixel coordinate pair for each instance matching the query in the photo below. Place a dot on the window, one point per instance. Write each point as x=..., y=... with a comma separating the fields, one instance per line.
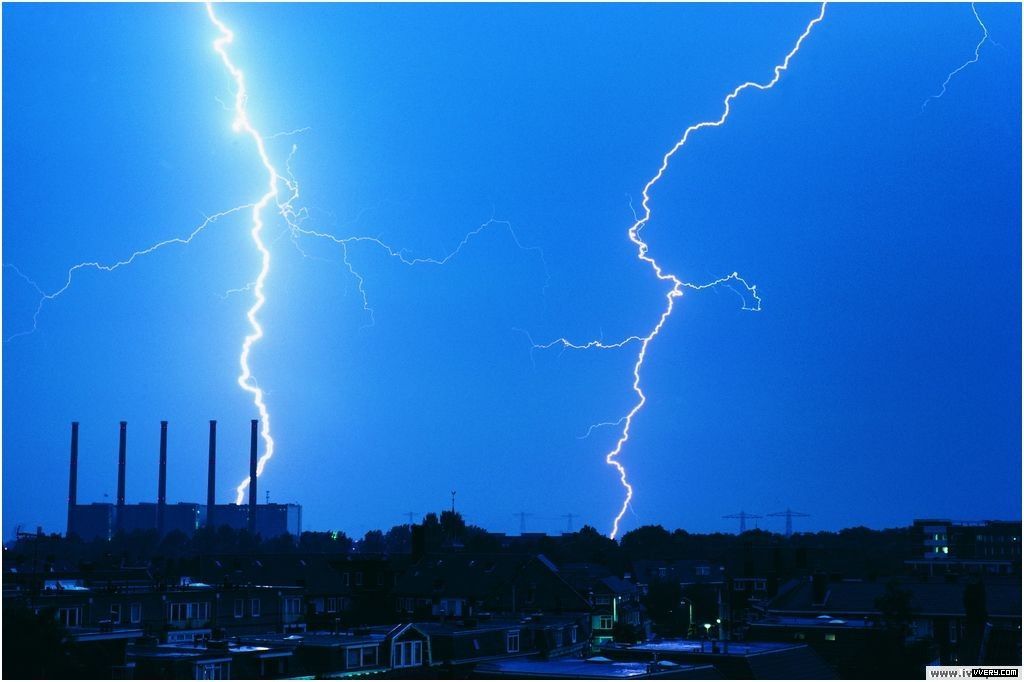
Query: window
x=292, y=606
x=359, y=578
x=361, y=657
x=180, y=612
x=136, y=612
x=254, y=607
x=739, y=586
x=512, y=641
x=559, y=638
x=954, y=632
x=604, y=623
x=406, y=654
x=70, y=616
x=703, y=570
x=760, y=586
x=602, y=601
x=573, y=633
x=213, y=671
x=830, y=637
x=799, y=635
x=239, y=608
x=344, y=579
x=332, y=605
x=115, y=614
x=380, y=580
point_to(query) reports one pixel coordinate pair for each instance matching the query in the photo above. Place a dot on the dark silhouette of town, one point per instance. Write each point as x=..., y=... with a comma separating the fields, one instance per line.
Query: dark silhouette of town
x=228, y=591
x=443, y=599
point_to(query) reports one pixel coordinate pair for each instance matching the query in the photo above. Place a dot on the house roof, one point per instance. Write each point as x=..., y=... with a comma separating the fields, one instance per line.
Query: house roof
x=318, y=573
x=932, y=597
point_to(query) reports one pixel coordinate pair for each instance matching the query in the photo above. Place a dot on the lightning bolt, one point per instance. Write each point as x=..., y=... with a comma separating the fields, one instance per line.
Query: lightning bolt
x=242, y=124
x=977, y=56
x=45, y=297
x=678, y=285
x=294, y=219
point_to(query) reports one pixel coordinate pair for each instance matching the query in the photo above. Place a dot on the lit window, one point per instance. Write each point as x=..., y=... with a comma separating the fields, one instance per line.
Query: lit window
x=604, y=623
x=830, y=637
x=70, y=617
x=213, y=671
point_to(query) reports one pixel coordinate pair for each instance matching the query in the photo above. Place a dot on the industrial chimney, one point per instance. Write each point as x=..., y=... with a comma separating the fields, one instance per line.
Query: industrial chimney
x=73, y=478
x=211, y=476
x=121, y=454
x=161, y=492
x=252, y=476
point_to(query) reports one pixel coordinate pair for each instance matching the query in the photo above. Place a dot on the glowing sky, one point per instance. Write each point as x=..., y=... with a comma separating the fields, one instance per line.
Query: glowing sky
x=879, y=382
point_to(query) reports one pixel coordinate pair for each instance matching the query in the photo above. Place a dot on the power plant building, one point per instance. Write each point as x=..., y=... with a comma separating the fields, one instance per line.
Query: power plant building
x=103, y=520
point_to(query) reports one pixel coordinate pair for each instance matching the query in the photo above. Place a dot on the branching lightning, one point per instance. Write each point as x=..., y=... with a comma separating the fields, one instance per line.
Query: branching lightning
x=45, y=297
x=244, y=125
x=285, y=202
x=678, y=285
x=975, y=58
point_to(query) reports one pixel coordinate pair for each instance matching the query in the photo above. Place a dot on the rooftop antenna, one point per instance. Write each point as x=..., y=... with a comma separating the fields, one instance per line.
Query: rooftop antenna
x=453, y=502
x=412, y=517
x=267, y=493
x=789, y=514
x=743, y=516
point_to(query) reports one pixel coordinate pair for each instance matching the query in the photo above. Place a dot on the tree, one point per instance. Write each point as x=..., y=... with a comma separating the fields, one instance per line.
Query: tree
x=373, y=542
x=35, y=646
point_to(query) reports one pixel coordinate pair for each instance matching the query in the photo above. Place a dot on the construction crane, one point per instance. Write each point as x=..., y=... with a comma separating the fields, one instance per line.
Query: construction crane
x=789, y=514
x=743, y=516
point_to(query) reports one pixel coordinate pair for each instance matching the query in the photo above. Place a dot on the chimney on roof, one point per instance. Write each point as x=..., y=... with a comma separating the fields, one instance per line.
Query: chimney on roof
x=253, y=426
x=73, y=478
x=161, y=491
x=121, y=455
x=819, y=588
x=211, y=476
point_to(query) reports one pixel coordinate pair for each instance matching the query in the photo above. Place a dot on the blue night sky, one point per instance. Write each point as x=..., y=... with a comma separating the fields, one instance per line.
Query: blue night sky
x=880, y=381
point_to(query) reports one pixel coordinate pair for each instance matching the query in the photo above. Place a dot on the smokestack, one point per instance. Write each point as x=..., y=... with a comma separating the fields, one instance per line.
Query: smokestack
x=121, y=453
x=73, y=478
x=161, y=492
x=252, y=475
x=211, y=475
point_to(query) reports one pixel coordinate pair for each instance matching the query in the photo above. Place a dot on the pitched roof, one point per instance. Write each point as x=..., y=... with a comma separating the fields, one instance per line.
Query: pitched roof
x=1003, y=598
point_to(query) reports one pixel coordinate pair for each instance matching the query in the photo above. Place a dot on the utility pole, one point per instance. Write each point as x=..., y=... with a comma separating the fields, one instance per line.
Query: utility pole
x=789, y=514
x=742, y=516
x=522, y=520
x=570, y=517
